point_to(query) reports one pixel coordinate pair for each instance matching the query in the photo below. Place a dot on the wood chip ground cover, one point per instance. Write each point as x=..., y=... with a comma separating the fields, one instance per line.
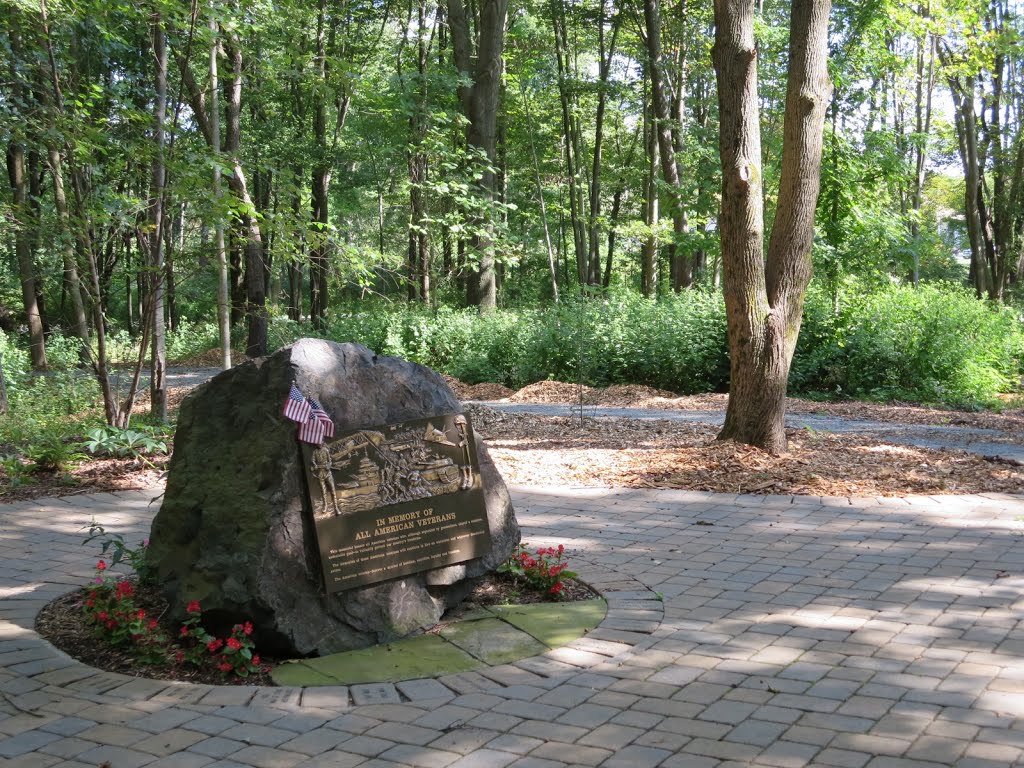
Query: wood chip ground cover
x=558, y=451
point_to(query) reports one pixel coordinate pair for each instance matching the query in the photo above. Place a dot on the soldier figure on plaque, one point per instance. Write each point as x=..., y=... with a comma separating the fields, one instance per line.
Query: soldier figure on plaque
x=467, y=467
x=321, y=465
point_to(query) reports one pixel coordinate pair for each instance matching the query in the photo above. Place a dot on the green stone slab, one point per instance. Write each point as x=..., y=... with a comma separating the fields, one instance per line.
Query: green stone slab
x=493, y=641
x=554, y=624
x=299, y=673
x=423, y=656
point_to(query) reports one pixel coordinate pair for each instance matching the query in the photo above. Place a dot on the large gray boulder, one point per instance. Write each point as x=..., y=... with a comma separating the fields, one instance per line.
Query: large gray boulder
x=235, y=530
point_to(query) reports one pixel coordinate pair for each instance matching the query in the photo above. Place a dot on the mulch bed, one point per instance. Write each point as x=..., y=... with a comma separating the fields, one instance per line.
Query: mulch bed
x=62, y=623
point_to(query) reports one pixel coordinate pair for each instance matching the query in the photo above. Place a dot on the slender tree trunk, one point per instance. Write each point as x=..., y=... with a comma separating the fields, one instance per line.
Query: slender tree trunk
x=682, y=271
x=649, y=251
x=158, y=358
x=213, y=138
x=764, y=297
x=23, y=235
x=79, y=325
x=540, y=192
x=593, y=239
x=573, y=151
x=319, y=237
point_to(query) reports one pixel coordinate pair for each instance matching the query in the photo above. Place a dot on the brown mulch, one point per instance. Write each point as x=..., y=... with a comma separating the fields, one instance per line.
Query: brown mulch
x=484, y=391
x=62, y=622
x=562, y=451
x=1009, y=420
x=550, y=451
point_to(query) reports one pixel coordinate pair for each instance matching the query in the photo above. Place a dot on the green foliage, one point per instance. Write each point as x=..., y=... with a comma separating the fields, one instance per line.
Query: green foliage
x=677, y=343
x=114, y=546
x=51, y=451
x=935, y=343
x=113, y=441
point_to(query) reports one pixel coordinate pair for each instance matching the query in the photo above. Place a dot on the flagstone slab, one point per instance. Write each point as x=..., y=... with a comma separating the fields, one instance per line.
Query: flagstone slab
x=414, y=657
x=493, y=641
x=554, y=624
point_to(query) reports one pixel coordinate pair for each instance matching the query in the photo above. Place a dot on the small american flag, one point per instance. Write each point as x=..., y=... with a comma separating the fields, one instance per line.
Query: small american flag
x=312, y=430
x=297, y=407
x=321, y=415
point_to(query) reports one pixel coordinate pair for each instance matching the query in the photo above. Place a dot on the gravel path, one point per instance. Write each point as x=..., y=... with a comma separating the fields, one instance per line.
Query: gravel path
x=989, y=443
x=984, y=442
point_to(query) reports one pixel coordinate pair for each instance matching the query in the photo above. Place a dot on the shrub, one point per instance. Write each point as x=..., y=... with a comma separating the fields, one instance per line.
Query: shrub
x=935, y=343
x=542, y=571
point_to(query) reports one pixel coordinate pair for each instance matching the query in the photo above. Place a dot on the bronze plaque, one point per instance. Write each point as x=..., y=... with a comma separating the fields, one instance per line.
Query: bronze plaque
x=395, y=500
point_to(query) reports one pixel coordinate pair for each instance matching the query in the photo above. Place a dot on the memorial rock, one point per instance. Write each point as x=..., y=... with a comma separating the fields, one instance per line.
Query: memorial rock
x=237, y=529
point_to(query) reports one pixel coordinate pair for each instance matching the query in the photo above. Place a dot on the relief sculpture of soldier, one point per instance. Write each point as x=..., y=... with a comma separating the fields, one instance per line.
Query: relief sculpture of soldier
x=467, y=468
x=323, y=470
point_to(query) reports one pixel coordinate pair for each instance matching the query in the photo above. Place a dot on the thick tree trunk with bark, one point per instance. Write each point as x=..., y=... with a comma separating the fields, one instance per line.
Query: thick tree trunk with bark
x=764, y=297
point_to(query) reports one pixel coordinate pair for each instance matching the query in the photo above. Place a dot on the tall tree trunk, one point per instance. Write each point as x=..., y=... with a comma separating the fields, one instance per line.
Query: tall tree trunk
x=764, y=298
x=661, y=99
x=158, y=358
x=248, y=233
x=79, y=325
x=649, y=250
x=23, y=235
x=213, y=139
x=571, y=137
x=479, y=99
x=606, y=54
x=319, y=237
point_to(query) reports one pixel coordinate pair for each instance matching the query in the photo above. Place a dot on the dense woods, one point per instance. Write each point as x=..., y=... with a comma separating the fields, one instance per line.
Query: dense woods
x=174, y=163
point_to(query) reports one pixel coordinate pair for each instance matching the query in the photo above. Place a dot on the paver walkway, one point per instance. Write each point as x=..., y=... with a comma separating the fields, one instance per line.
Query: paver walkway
x=746, y=631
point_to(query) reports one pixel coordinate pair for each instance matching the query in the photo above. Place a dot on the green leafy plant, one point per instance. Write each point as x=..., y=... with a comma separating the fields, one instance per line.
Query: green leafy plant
x=543, y=570
x=112, y=441
x=232, y=656
x=114, y=546
x=110, y=609
x=52, y=453
x=18, y=473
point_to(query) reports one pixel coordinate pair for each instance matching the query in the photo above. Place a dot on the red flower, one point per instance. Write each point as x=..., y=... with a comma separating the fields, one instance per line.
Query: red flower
x=233, y=643
x=256, y=660
x=225, y=666
x=247, y=627
x=214, y=645
x=193, y=607
x=184, y=630
x=153, y=623
x=557, y=588
x=103, y=616
x=111, y=624
x=179, y=657
x=141, y=614
x=101, y=566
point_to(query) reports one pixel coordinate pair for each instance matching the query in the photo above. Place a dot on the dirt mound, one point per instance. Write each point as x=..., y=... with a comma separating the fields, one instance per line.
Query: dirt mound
x=632, y=396
x=544, y=392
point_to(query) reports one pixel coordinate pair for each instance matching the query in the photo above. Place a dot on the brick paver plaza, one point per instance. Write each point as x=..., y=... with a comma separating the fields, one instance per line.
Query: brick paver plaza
x=742, y=631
